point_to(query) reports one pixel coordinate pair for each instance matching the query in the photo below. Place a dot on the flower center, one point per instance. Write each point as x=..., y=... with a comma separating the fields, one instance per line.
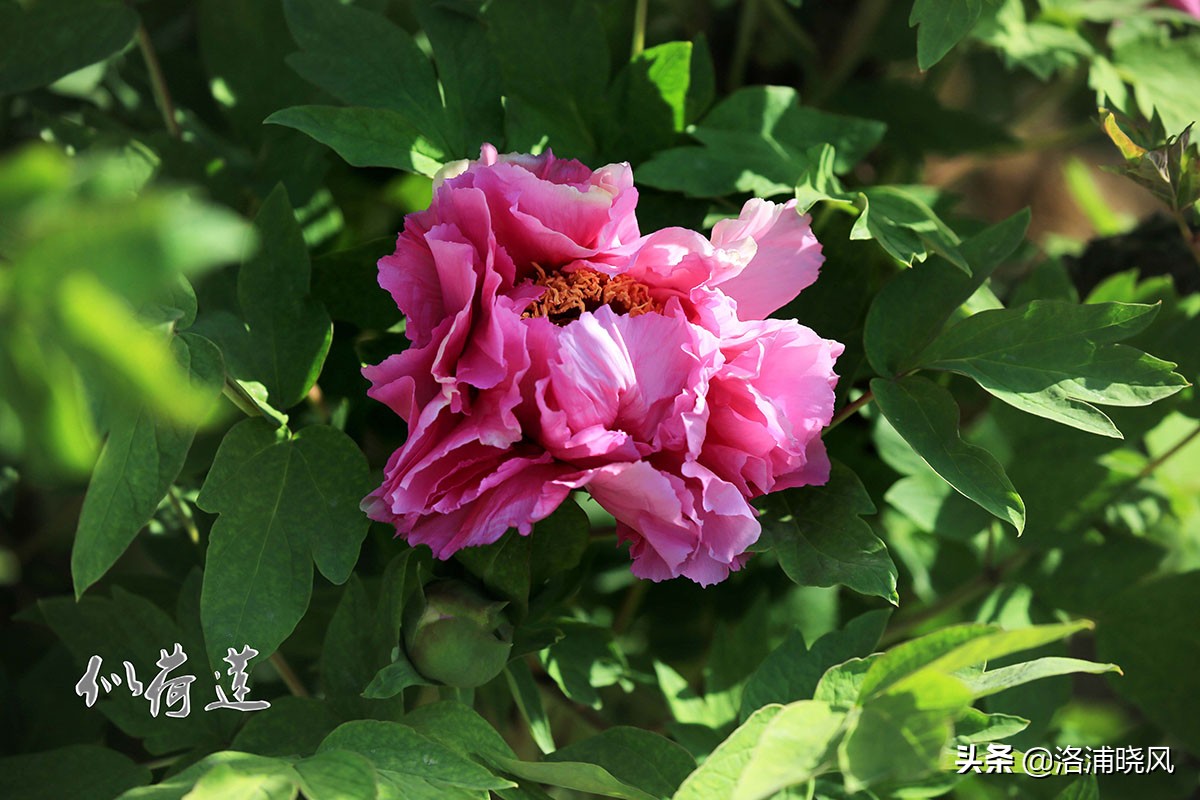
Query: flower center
x=569, y=294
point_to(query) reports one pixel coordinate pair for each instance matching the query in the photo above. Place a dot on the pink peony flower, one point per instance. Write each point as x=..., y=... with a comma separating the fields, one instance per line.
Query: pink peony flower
x=1190, y=6
x=554, y=348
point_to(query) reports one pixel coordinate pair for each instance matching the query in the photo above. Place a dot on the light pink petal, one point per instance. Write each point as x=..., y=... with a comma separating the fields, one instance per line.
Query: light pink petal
x=786, y=256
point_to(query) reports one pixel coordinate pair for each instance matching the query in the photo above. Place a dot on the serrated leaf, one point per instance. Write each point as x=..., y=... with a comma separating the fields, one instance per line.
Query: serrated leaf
x=941, y=26
x=820, y=539
x=283, y=503
x=927, y=417
x=42, y=42
x=911, y=309
x=1054, y=359
x=140, y=460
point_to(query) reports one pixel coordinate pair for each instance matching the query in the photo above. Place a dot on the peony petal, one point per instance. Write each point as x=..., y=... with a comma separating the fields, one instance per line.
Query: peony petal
x=786, y=257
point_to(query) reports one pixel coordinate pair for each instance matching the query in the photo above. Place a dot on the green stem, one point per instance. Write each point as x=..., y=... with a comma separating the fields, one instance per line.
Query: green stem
x=981, y=584
x=630, y=604
x=189, y=524
x=849, y=410
x=639, y=28
x=241, y=398
x=747, y=24
x=158, y=82
x=464, y=696
x=1158, y=462
x=853, y=47
x=289, y=676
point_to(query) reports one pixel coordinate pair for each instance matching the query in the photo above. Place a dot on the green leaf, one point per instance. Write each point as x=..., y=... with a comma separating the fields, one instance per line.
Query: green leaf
x=997, y=680
x=905, y=226
x=224, y=781
x=1054, y=359
x=1136, y=631
x=554, y=66
x=367, y=137
x=579, y=776
x=283, y=504
x=584, y=660
x=1159, y=67
x=395, y=748
x=394, y=678
x=363, y=59
x=899, y=735
x=291, y=726
x=791, y=672
x=239, y=773
x=650, y=94
x=927, y=417
x=140, y=460
x=820, y=539
x=460, y=728
x=841, y=684
x=336, y=774
x=976, y=727
x=77, y=771
x=1042, y=47
x=1085, y=788
x=130, y=628
x=468, y=73
x=244, y=47
x=942, y=25
x=347, y=282
x=760, y=140
x=952, y=649
x=720, y=773
x=912, y=308
x=633, y=756
x=41, y=42
x=688, y=707
x=529, y=701
x=798, y=744
x=288, y=330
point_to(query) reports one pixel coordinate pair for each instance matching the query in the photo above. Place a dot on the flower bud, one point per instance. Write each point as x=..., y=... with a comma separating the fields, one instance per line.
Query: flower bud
x=457, y=636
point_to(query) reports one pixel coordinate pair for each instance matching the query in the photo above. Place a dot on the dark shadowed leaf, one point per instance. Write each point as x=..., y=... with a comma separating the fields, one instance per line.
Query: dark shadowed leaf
x=820, y=538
